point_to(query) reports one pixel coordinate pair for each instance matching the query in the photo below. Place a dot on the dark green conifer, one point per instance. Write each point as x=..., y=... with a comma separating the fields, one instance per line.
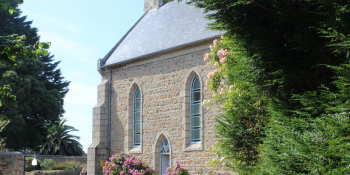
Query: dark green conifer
x=37, y=84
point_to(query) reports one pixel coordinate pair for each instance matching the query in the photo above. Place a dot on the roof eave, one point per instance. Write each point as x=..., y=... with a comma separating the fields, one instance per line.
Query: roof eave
x=157, y=52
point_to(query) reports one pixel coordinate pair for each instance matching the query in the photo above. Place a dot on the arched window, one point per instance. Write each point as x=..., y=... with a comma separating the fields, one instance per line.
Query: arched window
x=195, y=110
x=136, y=118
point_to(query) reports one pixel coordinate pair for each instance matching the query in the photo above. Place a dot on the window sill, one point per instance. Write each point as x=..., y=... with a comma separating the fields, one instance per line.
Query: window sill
x=135, y=150
x=194, y=147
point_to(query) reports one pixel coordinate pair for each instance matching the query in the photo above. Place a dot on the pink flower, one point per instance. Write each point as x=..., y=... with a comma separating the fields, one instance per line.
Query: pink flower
x=223, y=60
x=122, y=173
x=206, y=56
x=215, y=64
x=206, y=83
x=221, y=53
x=222, y=36
x=215, y=42
x=231, y=51
x=206, y=88
x=231, y=87
x=211, y=74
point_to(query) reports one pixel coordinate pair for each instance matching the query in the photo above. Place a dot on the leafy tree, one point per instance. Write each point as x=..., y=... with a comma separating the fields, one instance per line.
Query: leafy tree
x=282, y=66
x=290, y=41
x=60, y=142
x=37, y=83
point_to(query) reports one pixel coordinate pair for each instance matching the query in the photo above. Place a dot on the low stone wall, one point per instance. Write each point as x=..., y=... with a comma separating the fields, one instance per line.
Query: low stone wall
x=11, y=163
x=82, y=160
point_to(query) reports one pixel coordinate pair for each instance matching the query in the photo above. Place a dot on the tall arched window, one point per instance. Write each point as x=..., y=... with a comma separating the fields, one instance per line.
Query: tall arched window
x=136, y=118
x=195, y=110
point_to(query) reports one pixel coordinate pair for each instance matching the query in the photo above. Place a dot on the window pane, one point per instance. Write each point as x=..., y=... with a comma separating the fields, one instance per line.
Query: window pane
x=137, y=93
x=136, y=116
x=195, y=135
x=196, y=84
x=195, y=122
x=137, y=105
x=136, y=139
x=195, y=108
x=137, y=128
x=196, y=96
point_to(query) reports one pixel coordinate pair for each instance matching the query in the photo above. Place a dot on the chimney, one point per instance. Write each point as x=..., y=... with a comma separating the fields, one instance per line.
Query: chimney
x=152, y=4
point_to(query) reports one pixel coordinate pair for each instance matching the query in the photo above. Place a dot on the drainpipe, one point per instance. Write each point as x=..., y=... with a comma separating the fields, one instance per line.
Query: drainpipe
x=109, y=114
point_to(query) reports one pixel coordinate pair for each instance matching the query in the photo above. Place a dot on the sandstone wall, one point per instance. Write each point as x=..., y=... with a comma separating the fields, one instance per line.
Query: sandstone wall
x=11, y=163
x=162, y=81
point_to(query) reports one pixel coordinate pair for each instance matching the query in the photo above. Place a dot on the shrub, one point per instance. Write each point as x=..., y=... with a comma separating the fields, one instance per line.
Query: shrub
x=72, y=165
x=177, y=169
x=59, y=166
x=48, y=164
x=83, y=172
x=28, y=165
x=126, y=164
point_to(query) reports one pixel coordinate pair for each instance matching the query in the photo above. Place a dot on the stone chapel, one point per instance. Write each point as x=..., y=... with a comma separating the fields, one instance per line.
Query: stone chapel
x=150, y=99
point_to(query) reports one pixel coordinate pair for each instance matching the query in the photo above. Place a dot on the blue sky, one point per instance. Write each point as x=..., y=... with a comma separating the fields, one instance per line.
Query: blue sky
x=81, y=32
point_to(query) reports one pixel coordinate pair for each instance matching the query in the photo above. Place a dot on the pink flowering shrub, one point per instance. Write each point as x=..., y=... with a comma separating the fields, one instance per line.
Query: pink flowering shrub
x=124, y=164
x=83, y=172
x=178, y=170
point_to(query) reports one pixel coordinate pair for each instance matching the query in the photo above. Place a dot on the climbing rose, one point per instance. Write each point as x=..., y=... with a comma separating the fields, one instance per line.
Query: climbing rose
x=222, y=53
x=215, y=64
x=211, y=74
x=215, y=42
x=206, y=57
x=231, y=87
x=223, y=60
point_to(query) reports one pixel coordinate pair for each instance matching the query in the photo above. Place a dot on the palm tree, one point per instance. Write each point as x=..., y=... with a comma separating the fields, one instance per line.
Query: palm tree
x=60, y=142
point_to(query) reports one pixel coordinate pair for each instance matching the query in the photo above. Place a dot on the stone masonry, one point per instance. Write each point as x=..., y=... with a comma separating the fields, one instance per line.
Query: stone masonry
x=11, y=163
x=97, y=151
x=163, y=80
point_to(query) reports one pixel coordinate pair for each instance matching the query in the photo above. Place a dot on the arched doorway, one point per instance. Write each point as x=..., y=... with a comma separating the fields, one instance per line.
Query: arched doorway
x=164, y=158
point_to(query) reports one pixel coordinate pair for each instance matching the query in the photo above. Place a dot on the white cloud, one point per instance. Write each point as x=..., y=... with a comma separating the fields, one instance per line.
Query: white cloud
x=80, y=94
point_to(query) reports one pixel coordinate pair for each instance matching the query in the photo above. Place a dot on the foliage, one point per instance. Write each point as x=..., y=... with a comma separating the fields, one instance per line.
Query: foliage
x=72, y=165
x=289, y=41
x=283, y=110
x=3, y=123
x=259, y=136
x=83, y=172
x=244, y=115
x=177, y=169
x=60, y=142
x=315, y=138
x=47, y=164
x=37, y=84
x=59, y=166
x=7, y=5
x=28, y=165
x=124, y=164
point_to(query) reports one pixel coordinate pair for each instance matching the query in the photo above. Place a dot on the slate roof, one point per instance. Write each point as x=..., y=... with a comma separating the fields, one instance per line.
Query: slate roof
x=170, y=26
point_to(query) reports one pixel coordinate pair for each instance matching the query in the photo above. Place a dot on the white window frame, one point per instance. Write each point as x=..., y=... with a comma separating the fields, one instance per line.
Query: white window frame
x=197, y=115
x=133, y=118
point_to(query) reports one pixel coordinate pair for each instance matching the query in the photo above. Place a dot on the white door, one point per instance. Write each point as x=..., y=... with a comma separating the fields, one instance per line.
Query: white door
x=164, y=163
